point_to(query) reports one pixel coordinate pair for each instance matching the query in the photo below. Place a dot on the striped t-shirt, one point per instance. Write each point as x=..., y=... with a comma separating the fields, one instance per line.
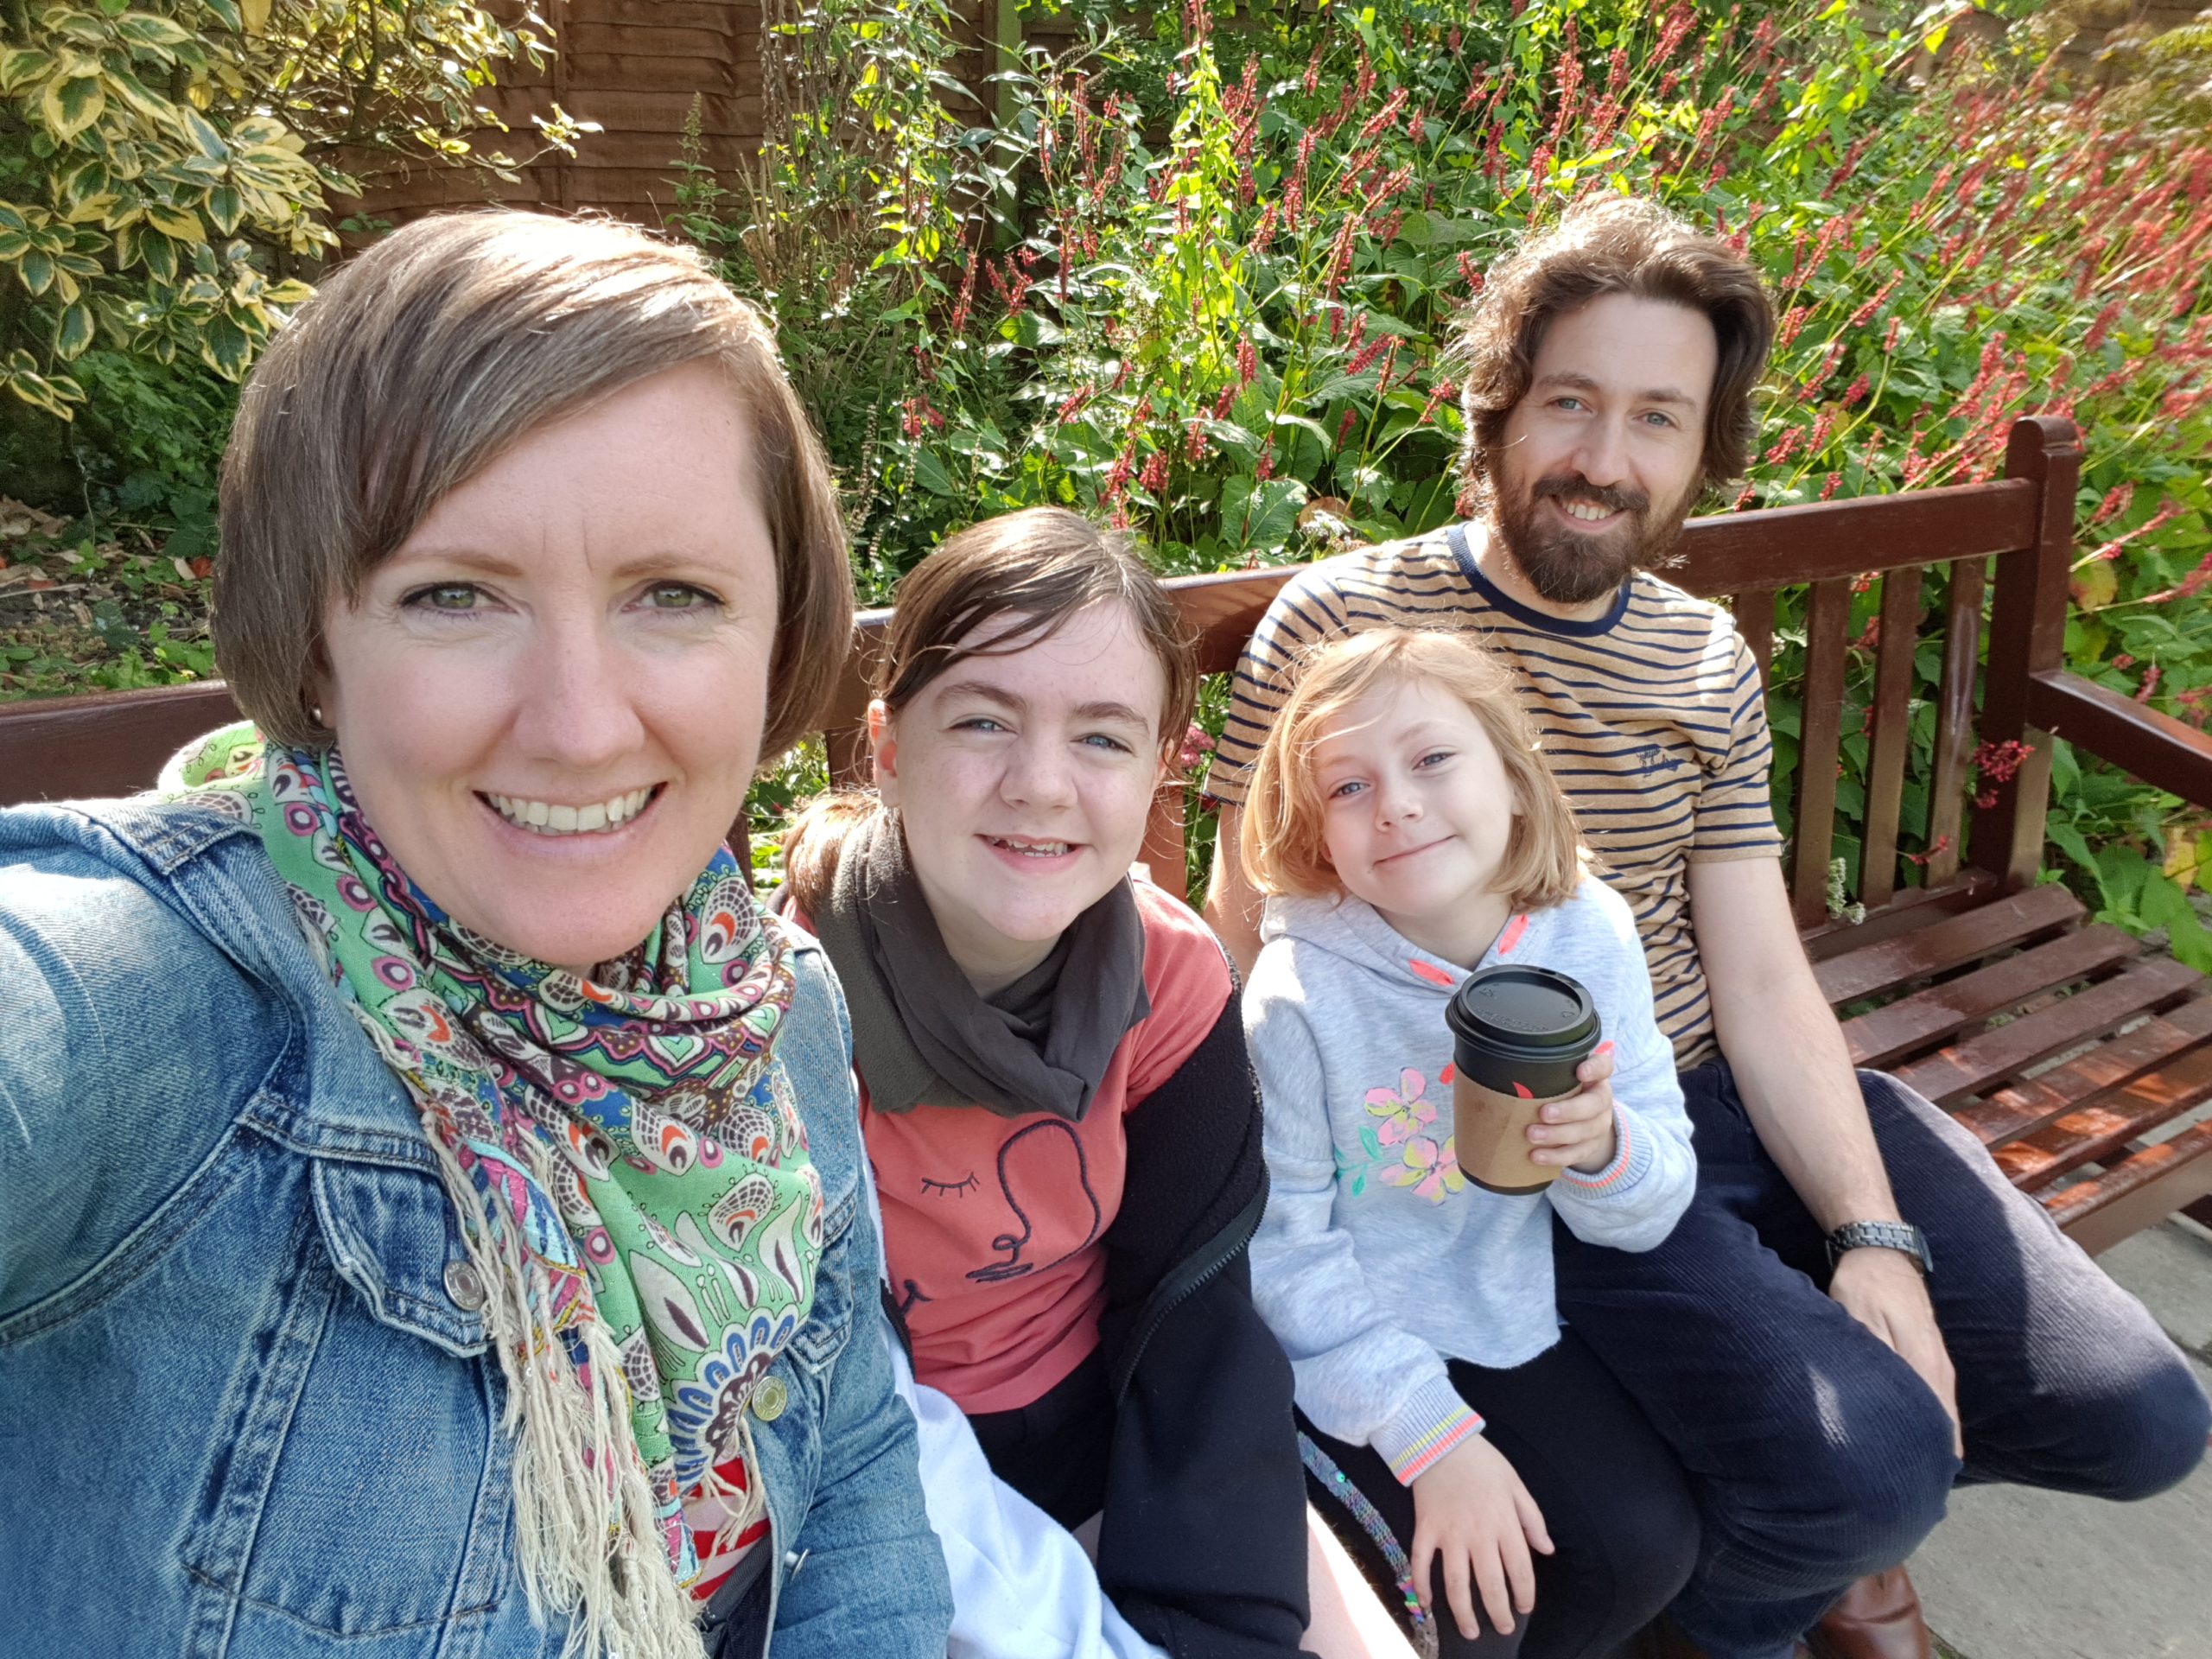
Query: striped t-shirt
x=1652, y=717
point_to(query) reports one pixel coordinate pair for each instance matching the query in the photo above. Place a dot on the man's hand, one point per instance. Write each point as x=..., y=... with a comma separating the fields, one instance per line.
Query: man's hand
x=1579, y=1131
x=1883, y=1290
x=1473, y=1514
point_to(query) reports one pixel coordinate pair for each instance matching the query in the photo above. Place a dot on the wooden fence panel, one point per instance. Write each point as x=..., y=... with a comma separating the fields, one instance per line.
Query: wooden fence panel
x=634, y=66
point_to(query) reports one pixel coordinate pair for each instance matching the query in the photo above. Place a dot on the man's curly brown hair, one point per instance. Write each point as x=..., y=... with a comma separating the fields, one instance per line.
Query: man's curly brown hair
x=1611, y=245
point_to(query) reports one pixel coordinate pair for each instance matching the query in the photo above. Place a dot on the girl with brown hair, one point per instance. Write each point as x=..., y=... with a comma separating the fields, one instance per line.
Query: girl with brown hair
x=1057, y=1102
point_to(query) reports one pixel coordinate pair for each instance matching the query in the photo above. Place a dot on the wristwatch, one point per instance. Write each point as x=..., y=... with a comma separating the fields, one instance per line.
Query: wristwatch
x=1898, y=1235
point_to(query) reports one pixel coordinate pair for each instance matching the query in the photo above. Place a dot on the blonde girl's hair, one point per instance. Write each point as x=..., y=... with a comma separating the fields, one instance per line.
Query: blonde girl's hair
x=1283, y=844
x=1036, y=568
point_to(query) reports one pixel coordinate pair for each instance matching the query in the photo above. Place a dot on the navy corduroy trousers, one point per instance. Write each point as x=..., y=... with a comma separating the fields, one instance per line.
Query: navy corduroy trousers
x=1817, y=1455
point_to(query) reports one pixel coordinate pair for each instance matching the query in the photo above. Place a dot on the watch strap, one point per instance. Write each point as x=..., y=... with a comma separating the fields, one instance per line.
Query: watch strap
x=1899, y=1236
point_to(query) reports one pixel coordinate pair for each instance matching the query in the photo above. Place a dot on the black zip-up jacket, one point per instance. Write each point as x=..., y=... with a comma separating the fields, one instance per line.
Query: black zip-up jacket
x=1202, y=1546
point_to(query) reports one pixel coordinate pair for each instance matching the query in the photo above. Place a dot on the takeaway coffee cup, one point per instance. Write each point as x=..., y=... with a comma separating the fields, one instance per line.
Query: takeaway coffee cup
x=1517, y=1035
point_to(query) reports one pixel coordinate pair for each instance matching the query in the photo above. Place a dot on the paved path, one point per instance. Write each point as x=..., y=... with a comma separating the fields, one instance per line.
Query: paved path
x=2020, y=1574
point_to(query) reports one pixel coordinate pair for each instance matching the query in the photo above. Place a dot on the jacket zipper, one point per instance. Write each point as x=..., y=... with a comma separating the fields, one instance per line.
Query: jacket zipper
x=1187, y=1281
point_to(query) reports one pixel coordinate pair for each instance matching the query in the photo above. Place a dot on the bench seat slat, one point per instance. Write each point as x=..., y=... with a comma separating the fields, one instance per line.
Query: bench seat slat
x=1951, y=1074
x=1938, y=947
x=1927, y=1017
x=1916, y=908
x=2137, y=1191
x=2091, y=1134
x=2023, y=1108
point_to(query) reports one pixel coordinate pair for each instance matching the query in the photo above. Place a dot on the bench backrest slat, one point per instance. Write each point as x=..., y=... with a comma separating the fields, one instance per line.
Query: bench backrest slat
x=1954, y=720
x=1820, y=740
x=78, y=748
x=2027, y=634
x=1754, y=614
x=1889, y=733
x=1780, y=547
x=113, y=744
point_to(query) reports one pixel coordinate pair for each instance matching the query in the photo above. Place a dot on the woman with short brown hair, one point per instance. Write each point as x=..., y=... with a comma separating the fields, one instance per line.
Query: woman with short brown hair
x=447, y=1223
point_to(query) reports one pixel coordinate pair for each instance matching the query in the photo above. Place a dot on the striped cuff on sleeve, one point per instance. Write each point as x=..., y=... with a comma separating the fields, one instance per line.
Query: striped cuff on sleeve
x=1631, y=1158
x=1426, y=1426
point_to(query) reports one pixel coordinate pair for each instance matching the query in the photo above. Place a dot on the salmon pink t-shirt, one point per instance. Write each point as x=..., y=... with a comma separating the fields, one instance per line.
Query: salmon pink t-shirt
x=992, y=1226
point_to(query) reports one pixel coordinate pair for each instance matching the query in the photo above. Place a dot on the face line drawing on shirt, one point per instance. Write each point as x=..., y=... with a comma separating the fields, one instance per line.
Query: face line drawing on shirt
x=1014, y=1267
x=959, y=1189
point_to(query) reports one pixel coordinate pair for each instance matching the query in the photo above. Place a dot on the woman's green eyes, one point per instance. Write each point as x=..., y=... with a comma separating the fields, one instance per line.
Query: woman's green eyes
x=461, y=598
x=678, y=596
x=450, y=597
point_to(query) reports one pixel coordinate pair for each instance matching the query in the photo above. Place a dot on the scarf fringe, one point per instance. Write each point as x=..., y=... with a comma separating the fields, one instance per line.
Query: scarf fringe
x=587, y=1530
x=741, y=1507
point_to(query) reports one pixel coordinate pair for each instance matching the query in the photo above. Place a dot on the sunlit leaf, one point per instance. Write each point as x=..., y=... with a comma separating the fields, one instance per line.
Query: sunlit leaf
x=160, y=255
x=224, y=208
x=69, y=106
x=23, y=66
x=73, y=331
x=178, y=222
x=201, y=131
x=143, y=28
x=225, y=348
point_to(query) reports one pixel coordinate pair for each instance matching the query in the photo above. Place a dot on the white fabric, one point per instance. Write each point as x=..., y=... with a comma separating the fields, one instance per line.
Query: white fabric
x=1022, y=1587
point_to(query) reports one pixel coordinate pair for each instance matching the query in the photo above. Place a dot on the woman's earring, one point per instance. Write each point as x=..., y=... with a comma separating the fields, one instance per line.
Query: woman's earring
x=315, y=710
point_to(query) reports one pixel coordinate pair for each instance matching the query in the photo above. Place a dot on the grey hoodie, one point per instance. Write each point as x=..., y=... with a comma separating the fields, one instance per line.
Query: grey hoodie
x=1377, y=1260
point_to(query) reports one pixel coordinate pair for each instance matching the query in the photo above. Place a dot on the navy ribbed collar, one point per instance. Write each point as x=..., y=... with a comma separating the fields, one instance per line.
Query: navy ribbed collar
x=1493, y=594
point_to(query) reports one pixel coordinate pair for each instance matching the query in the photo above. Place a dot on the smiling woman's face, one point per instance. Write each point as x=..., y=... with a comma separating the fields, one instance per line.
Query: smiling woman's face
x=550, y=698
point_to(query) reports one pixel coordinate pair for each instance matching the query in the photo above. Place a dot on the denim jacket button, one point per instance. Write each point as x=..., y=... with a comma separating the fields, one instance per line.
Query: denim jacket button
x=770, y=1399
x=465, y=1285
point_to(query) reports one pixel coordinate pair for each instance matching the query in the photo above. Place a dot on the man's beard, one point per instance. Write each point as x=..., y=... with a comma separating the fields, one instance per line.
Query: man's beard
x=1568, y=567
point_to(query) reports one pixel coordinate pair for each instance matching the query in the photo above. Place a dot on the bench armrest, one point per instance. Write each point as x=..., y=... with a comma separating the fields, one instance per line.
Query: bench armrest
x=2156, y=747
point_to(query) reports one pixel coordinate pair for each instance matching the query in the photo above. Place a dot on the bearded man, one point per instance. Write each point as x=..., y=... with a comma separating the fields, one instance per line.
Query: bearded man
x=1857, y=1311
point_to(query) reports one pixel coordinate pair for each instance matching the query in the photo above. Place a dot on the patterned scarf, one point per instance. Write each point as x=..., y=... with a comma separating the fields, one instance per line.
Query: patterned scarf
x=630, y=1173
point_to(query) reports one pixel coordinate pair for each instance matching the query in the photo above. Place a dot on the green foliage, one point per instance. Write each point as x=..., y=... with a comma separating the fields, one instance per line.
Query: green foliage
x=163, y=166
x=77, y=613
x=1200, y=280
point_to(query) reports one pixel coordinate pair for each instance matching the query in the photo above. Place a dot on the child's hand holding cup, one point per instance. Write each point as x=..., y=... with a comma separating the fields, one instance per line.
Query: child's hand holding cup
x=1520, y=1038
x=1578, y=1132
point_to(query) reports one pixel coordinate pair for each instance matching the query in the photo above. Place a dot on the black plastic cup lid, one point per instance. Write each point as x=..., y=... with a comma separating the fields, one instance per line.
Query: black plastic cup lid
x=1532, y=1013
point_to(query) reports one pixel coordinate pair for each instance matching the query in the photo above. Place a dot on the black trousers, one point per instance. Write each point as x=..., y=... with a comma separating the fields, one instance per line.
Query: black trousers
x=1622, y=1520
x=1053, y=1450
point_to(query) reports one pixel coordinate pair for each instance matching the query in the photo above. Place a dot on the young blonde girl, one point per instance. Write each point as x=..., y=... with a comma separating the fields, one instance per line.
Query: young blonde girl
x=1407, y=832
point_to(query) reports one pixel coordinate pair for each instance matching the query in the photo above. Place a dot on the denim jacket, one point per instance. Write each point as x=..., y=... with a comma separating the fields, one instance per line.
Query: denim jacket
x=246, y=1407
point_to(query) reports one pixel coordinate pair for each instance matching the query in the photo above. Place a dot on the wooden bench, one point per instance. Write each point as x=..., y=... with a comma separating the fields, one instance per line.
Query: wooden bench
x=1962, y=980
